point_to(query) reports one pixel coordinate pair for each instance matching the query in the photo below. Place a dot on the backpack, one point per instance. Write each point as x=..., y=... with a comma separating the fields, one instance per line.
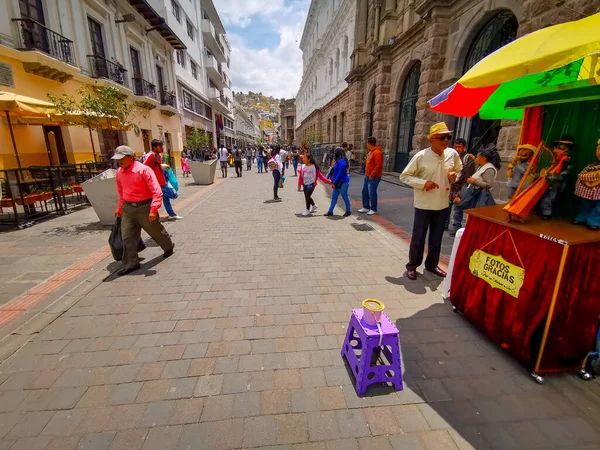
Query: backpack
x=272, y=164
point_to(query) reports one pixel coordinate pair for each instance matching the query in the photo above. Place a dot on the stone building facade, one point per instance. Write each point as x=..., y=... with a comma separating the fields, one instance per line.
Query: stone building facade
x=326, y=44
x=287, y=121
x=408, y=51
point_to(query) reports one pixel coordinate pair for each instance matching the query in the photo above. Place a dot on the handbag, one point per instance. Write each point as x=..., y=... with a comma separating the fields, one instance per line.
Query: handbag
x=171, y=178
x=485, y=199
x=115, y=241
x=469, y=194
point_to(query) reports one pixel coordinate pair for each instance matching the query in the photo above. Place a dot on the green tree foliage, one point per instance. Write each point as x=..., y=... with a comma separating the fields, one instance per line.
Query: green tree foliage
x=197, y=139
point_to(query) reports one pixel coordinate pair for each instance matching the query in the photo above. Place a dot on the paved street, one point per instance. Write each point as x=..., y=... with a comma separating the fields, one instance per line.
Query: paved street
x=234, y=342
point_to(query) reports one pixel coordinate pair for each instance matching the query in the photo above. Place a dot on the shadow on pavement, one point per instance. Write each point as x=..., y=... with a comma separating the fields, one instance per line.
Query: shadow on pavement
x=77, y=229
x=414, y=287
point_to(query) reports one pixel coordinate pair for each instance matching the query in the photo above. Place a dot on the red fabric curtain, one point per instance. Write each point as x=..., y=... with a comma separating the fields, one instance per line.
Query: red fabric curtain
x=573, y=331
x=508, y=321
x=533, y=124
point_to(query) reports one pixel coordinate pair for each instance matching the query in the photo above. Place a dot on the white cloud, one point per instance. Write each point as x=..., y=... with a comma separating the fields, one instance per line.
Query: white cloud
x=240, y=12
x=275, y=70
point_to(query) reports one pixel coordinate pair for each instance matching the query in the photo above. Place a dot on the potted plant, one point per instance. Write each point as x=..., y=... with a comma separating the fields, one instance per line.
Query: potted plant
x=7, y=202
x=28, y=199
x=45, y=196
x=64, y=190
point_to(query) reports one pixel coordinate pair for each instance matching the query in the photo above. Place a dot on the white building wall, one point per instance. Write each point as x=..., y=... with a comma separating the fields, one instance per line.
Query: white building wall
x=326, y=45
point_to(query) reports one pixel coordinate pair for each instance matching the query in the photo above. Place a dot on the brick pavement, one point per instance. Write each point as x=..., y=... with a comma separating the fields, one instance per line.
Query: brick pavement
x=34, y=255
x=234, y=343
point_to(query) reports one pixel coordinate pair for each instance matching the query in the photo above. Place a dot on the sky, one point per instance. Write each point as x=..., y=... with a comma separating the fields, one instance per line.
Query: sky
x=265, y=36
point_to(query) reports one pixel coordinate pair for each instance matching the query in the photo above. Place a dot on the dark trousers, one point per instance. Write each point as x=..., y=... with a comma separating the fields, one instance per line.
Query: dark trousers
x=135, y=219
x=433, y=221
x=308, y=197
x=238, y=168
x=276, y=178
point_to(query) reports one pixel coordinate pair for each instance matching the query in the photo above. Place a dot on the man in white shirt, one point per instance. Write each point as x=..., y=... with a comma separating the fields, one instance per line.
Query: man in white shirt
x=431, y=172
x=223, y=155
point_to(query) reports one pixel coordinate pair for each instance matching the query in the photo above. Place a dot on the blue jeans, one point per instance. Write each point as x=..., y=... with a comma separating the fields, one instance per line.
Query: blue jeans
x=259, y=162
x=457, y=217
x=369, y=193
x=167, y=200
x=335, y=195
x=295, y=164
x=589, y=213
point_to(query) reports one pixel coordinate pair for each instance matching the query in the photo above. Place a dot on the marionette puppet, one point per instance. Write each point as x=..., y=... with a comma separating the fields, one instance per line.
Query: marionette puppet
x=556, y=179
x=518, y=167
x=588, y=188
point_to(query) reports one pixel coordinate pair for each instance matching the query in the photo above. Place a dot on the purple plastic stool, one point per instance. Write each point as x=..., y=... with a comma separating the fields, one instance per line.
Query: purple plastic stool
x=366, y=369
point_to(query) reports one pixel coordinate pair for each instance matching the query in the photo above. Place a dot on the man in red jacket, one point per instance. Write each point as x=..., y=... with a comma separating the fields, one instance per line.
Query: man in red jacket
x=373, y=172
x=154, y=161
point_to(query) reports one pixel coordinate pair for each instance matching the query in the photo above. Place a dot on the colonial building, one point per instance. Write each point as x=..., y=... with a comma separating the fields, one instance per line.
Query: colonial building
x=407, y=51
x=56, y=47
x=202, y=69
x=287, y=121
x=326, y=45
x=246, y=132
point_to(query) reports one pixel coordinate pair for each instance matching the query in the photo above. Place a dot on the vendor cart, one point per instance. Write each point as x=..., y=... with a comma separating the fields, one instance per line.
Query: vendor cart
x=531, y=286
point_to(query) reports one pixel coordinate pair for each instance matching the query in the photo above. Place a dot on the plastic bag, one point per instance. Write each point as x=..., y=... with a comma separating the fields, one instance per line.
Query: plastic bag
x=169, y=191
x=115, y=241
x=469, y=194
x=171, y=178
x=485, y=199
x=281, y=180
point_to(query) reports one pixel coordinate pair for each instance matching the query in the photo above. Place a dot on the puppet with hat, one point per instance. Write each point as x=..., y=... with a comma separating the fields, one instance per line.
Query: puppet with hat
x=518, y=167
x=588, y=188
x=556, y=178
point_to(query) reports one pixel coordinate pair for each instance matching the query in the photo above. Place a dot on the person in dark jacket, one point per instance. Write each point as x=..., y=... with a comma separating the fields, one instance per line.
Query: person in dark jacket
x=469, y=167
x=340, y=182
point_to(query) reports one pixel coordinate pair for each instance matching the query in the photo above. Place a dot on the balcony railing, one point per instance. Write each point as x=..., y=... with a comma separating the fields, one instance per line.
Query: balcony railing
x=143, y=87
x=104, y=68
x=35, y=36
x=168, y=99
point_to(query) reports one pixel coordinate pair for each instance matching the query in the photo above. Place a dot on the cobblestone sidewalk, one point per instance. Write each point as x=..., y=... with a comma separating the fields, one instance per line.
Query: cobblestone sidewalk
x=234, y=343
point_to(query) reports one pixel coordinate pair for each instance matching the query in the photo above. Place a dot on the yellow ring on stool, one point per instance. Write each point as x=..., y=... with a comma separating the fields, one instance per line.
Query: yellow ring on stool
x=380, y=306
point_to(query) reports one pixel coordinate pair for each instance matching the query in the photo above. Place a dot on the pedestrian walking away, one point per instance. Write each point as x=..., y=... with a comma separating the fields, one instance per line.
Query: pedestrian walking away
x=260, y=157
x=430, y=172
x=276, y=167
x=223, y=155
x=373, y=172
x=340, y=182
x=283, y=154
x=237, y=161
x=308, y=180
x=154, y=161
x=140, y=197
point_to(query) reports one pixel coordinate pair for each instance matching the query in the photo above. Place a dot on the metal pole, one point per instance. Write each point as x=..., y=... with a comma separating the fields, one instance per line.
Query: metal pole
x=92, y=139
x=12, y=136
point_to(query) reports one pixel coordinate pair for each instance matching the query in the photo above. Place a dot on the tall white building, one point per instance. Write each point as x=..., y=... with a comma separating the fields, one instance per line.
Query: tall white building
x=326, y=44
x=202, y=69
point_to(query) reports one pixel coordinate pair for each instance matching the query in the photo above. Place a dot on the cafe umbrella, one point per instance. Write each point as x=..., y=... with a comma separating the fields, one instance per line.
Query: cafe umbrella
x=16, y=105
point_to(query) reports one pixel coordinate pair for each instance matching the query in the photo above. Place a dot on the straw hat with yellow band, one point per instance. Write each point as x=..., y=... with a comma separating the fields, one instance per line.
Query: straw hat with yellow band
x=438, y=129
x=520, y=157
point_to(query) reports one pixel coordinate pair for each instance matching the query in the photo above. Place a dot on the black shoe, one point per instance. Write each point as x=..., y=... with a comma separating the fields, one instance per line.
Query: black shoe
x=452, y=233
x=411, y=274
x=347, y=213
x=437, y=271
x=277, y=199
x=128, y=270
x=328, y=214
x=593, y=227
x=169, y=252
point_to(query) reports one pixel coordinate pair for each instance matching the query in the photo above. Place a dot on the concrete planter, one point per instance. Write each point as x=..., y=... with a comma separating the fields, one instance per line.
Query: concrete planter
x=101, y=191
x=204, y=172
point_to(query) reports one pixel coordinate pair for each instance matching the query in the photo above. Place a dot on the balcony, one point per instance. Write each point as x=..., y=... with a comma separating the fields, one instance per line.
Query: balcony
x=214, y=70
x=145, y=93
x=109, y=70
x=169, y=101
x=219, y=100
x=56, y=59
x=211, y=40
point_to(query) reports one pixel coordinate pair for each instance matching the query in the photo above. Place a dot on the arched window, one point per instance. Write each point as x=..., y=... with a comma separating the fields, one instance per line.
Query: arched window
x=371, y=113
x=337, y=64
x=407, y=116
x=345, y=56
x=497, y=32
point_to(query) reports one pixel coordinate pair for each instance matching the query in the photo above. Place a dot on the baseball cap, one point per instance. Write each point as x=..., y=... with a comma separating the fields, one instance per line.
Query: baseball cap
x=122, y=151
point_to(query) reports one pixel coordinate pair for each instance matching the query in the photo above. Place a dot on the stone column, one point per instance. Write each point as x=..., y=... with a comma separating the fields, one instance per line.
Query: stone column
x=376, y=24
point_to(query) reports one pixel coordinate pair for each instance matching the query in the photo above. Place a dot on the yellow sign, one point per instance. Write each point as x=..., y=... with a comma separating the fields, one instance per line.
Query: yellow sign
x=497, y=272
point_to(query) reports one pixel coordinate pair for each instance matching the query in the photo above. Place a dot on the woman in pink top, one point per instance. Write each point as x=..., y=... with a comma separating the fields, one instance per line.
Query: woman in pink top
x=185, y=167
x=309, y=174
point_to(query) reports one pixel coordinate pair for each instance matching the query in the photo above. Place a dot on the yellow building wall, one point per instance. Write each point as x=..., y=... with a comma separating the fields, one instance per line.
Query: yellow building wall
x=30, y=139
